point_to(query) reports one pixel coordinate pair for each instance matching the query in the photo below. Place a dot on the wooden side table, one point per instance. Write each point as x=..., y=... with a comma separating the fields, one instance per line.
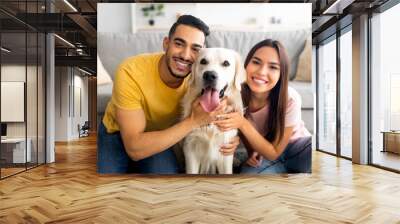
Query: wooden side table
x=391, y=141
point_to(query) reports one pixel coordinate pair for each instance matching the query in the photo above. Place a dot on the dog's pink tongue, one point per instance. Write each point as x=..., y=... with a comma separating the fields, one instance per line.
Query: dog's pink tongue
x=209, y=100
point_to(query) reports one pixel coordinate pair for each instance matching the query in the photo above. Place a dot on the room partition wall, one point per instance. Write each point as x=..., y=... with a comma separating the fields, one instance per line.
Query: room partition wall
x=334, y=95
x=22, y=79
x=327, y=95
x=345, y=110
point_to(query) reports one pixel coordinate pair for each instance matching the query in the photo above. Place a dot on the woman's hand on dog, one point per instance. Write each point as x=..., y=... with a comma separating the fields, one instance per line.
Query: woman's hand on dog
x=230, y=148
x=229, y=121
x=201, y=117
x=255, y=159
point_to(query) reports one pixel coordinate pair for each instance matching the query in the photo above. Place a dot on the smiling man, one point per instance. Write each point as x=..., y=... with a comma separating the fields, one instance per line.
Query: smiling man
x=140, y=124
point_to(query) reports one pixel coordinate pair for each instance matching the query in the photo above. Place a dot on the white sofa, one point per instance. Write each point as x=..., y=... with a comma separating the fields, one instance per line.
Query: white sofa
x=113, y=48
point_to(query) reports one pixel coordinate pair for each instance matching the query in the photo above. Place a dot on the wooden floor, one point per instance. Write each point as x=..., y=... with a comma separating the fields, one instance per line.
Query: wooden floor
x=70, y=191
x=10, y=171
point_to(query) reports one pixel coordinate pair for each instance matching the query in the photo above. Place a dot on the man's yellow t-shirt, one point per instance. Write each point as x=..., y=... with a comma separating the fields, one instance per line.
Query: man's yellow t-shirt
x=137, y=85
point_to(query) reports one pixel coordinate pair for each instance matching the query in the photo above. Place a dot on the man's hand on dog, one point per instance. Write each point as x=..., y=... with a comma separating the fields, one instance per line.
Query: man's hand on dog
x=230, y=148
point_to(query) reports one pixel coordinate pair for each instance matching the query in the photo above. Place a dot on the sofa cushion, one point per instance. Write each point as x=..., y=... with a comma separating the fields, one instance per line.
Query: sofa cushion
x=113, y=48
x=306, y=92
x=303, y=72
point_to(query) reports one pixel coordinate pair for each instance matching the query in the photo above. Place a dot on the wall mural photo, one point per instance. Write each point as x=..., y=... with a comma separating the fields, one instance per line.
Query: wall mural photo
x=204, y=88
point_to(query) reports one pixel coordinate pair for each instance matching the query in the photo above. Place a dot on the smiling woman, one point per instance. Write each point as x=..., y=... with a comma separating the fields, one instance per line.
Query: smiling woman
x=264, y=60
x=272, y=129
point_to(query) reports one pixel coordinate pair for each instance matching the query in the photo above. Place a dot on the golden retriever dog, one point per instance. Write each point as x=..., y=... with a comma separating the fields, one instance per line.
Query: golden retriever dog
x=217, y=73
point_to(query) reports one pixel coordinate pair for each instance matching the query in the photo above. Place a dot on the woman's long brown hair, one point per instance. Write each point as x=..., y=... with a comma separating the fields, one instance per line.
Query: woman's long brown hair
x=278, y=96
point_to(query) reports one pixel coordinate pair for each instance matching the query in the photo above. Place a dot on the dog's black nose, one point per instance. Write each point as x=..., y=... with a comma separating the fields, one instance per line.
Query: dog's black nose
x=209, y=76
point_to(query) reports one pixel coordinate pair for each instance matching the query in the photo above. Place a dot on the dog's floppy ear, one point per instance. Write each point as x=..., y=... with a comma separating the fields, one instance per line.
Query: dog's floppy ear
x=240, y=72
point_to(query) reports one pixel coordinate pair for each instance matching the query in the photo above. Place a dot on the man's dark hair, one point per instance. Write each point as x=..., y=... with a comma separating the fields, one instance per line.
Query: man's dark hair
x=189, y=21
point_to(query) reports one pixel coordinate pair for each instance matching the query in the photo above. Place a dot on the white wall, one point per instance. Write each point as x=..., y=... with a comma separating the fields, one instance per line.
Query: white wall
x=68, y=83
x=256, y=15
x=248, y=16
x=80, y=85
x=127, y=17
x=114, y=17
x=14, y=72
x=61, y=103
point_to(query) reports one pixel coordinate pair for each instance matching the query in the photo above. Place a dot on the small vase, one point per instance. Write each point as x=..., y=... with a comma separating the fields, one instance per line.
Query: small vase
x=151, y=22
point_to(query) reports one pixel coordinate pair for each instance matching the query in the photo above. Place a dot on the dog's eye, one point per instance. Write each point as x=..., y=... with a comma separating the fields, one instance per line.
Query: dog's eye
x=225, y=64
x=203, y=61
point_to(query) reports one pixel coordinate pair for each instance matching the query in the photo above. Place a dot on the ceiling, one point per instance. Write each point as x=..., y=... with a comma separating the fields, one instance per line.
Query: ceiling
x=76, y=20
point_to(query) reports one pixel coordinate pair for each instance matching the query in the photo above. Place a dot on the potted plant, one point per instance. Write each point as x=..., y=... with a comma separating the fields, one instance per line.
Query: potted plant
x=152, y=11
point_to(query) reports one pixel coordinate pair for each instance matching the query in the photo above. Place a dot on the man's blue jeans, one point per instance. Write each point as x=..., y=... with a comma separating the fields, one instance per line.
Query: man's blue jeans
x=295, y=159
x=112, y=157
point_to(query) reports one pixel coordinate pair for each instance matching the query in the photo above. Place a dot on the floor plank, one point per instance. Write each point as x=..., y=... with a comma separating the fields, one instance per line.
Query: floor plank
x=70, y=191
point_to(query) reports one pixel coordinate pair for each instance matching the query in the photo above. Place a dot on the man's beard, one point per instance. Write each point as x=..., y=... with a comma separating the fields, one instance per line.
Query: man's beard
x=173, y=74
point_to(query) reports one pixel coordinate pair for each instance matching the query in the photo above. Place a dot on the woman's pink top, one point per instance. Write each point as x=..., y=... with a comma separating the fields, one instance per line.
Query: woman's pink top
x=292, y=118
